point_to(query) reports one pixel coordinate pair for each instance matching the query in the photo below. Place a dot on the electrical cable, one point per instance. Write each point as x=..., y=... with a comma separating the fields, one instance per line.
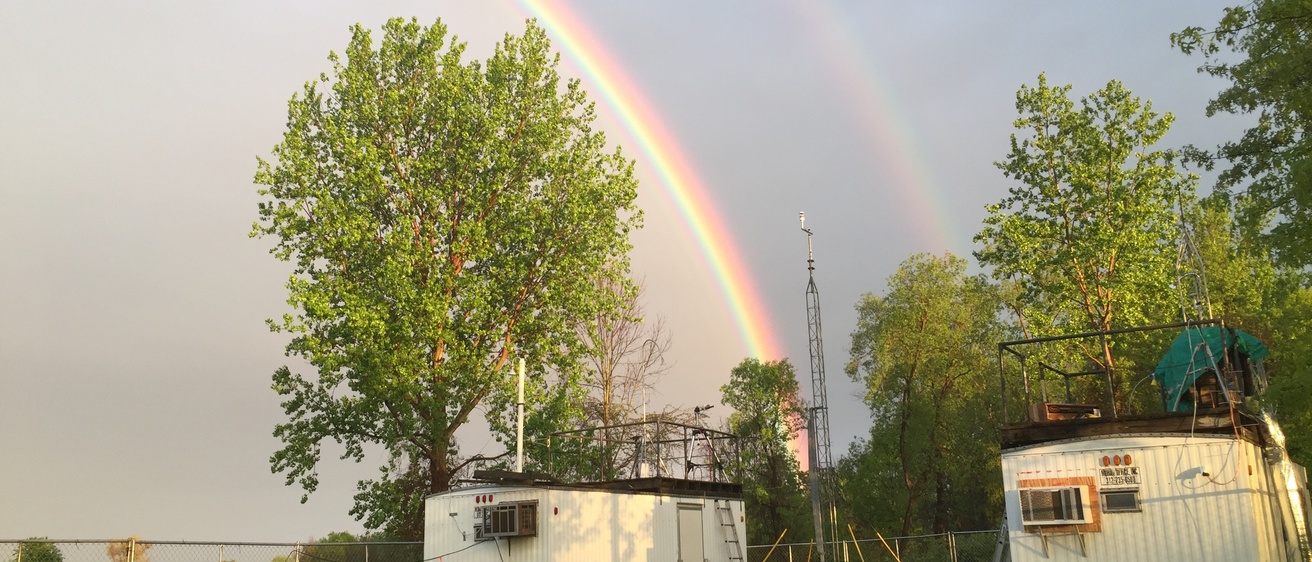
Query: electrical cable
x=430, y=559
x=1237, y=444
x=440, y=556
x=1238, y=447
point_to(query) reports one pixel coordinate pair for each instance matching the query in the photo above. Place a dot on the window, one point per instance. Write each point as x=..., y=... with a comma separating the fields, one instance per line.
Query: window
x=1120, y=500
x=1054, y=506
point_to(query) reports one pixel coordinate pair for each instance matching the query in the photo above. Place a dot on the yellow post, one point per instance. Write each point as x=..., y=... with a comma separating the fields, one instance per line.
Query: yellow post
x=776, y=545
x=890, y=549
x=849, y=531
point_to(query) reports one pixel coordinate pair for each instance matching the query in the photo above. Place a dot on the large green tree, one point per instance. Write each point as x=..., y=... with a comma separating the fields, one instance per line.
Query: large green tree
x=1264, y=49
x=925, y=353
x=1251, y=291
x=443, y=217
x=768, y=414
x=1088, y=231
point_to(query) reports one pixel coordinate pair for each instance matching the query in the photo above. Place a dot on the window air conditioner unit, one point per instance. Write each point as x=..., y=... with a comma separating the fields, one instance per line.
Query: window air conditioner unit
x=1068, y=505
x=509, y=519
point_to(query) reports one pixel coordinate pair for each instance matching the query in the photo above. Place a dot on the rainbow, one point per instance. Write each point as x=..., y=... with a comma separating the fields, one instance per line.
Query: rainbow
x=889, y=136
x=678, y=177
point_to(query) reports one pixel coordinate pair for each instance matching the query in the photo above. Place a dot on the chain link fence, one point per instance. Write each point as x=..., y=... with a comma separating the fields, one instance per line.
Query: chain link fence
x=119, y=550
x=969, y=546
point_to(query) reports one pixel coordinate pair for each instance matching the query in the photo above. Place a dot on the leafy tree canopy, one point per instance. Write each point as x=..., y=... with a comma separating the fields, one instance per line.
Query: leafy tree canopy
x=925, y=354
x=442, y=218
x=768, y=413
x=1088, y=233
x=1264, y=49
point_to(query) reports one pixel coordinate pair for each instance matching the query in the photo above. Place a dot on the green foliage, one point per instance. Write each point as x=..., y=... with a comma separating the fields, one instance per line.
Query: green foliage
x=925, y=353
x=1250, y=291
x=1269, y=77
x=442, y=218
x=1290, y=368
x=1244, y=284
x=33, y=550
x=768, y=414
x=322, y=550
x=1089, y=233
x=342, y=546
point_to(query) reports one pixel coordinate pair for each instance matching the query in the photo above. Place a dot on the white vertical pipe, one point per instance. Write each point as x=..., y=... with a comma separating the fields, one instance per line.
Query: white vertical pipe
x=519, y=440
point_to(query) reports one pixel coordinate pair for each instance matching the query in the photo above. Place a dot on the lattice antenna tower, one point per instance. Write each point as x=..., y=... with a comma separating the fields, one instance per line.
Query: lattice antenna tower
x=1190, y=277
x=820, y=459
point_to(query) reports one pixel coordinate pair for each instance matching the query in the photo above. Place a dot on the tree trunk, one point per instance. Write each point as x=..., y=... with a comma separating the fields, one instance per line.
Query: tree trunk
x=439, y=469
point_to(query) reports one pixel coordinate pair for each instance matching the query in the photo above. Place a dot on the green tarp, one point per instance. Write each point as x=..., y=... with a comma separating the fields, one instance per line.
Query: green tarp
x=1194, y=353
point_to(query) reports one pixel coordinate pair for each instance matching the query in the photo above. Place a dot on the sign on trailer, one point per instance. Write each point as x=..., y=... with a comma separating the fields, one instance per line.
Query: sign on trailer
x=1120, y=476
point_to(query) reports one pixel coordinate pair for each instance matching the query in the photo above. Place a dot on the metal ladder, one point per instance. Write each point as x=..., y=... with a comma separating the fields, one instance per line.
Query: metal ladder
x=725, y=515
x=1002, y=546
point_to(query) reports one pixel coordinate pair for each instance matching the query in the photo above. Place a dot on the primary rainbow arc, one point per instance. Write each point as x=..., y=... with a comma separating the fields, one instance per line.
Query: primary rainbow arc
x=680, y=180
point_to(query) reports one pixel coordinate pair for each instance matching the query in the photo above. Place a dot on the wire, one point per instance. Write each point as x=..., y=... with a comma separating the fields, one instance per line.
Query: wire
x=1238, y=447
x=457, y=551
x=430, y=559
x=1136, y=387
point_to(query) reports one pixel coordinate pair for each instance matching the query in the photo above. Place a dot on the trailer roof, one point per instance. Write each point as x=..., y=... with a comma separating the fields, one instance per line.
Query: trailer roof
x=660, y=485
x=1222, y=421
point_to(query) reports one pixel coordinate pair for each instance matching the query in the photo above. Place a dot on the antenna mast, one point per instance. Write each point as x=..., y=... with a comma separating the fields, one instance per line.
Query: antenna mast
x=1191, y=279
x=820, y=460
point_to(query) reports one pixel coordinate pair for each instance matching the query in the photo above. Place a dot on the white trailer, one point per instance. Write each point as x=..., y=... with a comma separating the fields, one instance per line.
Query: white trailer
x=1149, y=497
x=1207, y=478
x=647, y=519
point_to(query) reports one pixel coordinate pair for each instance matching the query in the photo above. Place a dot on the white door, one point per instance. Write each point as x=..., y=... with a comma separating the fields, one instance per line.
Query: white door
x=690, y=533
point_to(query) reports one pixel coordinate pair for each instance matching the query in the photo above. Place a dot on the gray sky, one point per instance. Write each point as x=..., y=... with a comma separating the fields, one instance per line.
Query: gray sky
x=134, y=361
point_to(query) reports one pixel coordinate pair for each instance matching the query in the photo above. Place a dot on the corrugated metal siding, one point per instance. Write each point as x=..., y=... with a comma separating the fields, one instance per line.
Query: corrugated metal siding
x=1225, y=516
x=446, y=534
x=576, y=525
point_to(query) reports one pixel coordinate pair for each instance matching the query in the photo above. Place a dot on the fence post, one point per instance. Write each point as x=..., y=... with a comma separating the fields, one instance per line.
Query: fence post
x=366, y=545
x=298, y=552
x=952, y=546
x=20, y=553
x=132, y=549
x=220, y=553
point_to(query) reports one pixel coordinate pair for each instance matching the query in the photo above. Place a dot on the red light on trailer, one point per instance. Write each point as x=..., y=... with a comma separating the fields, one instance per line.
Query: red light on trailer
x=555, y=511
x=1106, y=461
x=489, y=498
x=1127, y=460
x=1116, y=460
